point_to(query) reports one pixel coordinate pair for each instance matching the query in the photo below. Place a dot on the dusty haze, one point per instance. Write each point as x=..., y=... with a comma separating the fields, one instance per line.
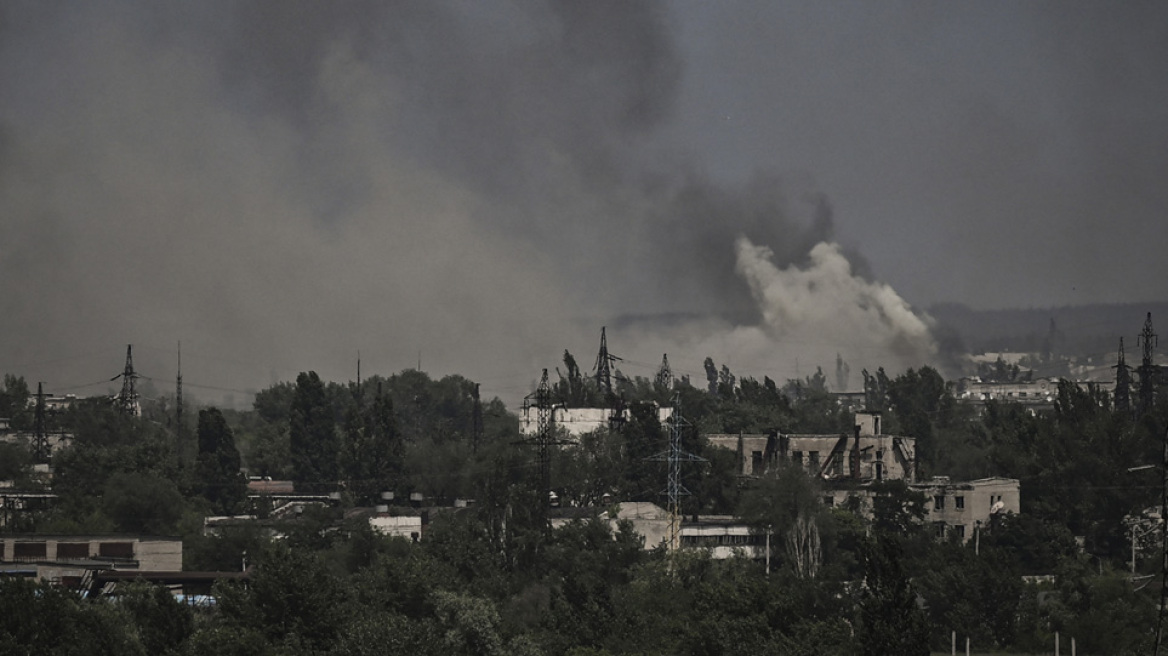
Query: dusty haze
x=280, y=185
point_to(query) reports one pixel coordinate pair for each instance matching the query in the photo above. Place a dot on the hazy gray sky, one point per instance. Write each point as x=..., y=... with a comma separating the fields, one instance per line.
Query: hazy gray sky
x=280, y=185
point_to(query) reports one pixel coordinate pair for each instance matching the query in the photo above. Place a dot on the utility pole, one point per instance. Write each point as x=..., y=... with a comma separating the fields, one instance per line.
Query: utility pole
x=178, y=409
x=1147, y=370
x=1163, y=544
x=675, y=456
x=1122, y=382
x=128, y=398
x=40, y=440
x=476, y=429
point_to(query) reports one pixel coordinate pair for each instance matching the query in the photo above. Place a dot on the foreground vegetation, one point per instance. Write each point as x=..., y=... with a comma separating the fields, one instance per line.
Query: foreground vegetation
x=493, y=578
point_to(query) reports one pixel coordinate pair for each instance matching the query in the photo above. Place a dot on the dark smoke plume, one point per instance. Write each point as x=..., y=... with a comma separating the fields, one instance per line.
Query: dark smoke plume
x=281, y=184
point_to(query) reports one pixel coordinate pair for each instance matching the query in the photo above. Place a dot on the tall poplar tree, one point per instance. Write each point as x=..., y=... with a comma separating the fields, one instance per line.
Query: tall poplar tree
x=218, y=462
x=312, y=434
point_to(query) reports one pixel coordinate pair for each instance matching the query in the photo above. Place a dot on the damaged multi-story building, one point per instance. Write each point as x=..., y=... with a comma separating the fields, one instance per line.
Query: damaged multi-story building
x=864, y=455
x=848, y=464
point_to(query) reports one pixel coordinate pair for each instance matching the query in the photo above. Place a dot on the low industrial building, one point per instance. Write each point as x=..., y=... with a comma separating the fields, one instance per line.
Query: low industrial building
x=867, y=454
x=579, y=421
x=70, y=560
x=963, y=507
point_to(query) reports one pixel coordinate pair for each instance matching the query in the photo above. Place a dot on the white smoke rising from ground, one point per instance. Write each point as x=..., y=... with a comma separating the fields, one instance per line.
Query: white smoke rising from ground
x=809, y=312
x=825, y=301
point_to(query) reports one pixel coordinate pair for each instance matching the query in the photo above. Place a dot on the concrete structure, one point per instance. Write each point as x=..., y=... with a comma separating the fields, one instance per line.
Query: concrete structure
x=401, y=526
x=70, y=559
x=1038, y=392
x=951, y=507
x=724, y=536
x=1036, y=395
x=269, y=486
x=649, y=520
x=578, y=421
x=849, y=464
x=16, y=506
x=853, y=401
x=865, y=455
x=57, y=440
x=963, y=507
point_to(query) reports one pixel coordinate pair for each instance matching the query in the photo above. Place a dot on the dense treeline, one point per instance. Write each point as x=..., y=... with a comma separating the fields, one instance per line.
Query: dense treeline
x=492, y=578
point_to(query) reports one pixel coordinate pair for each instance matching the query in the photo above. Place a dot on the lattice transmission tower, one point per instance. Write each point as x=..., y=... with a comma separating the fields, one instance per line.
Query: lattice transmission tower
x=127, y=399
x=604, y=365
x=544, y=438
x=1122, y=382
x=1147, y=370
x=665, y=373
x=676, y=424
x=40, y=439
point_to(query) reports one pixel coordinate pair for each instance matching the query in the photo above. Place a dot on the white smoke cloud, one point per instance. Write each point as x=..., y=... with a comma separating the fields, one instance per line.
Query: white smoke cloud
x=825, y=304
x=809, y=312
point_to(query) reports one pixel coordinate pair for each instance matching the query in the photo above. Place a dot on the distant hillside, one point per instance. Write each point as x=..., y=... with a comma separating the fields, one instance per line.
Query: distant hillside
x=1081, y=330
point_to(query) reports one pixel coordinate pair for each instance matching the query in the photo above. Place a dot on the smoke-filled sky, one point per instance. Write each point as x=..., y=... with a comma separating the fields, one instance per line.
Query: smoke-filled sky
x=280, y=185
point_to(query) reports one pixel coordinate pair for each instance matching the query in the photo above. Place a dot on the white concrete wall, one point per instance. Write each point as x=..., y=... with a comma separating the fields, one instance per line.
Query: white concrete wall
x=400, y=526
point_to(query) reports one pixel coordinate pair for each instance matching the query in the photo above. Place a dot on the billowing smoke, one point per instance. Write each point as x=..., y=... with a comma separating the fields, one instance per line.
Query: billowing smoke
x=282, y=185
x=825, y=305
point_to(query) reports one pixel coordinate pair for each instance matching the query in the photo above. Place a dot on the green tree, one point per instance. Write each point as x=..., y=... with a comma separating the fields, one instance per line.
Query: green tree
x=373, y=452
x=37, y=618
x=890, y=620
x=711, y=375
x=15, y=461
x=217, y=467
x=787, y=504
x=163, y=622
x=975, y=594
x=643, y=439
x=897, y=510
x=142, y=502
x=573, y=388
x=312, y=434
x=876, y=390
x=14, y=403
x=916, y=397
x=292, y=599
